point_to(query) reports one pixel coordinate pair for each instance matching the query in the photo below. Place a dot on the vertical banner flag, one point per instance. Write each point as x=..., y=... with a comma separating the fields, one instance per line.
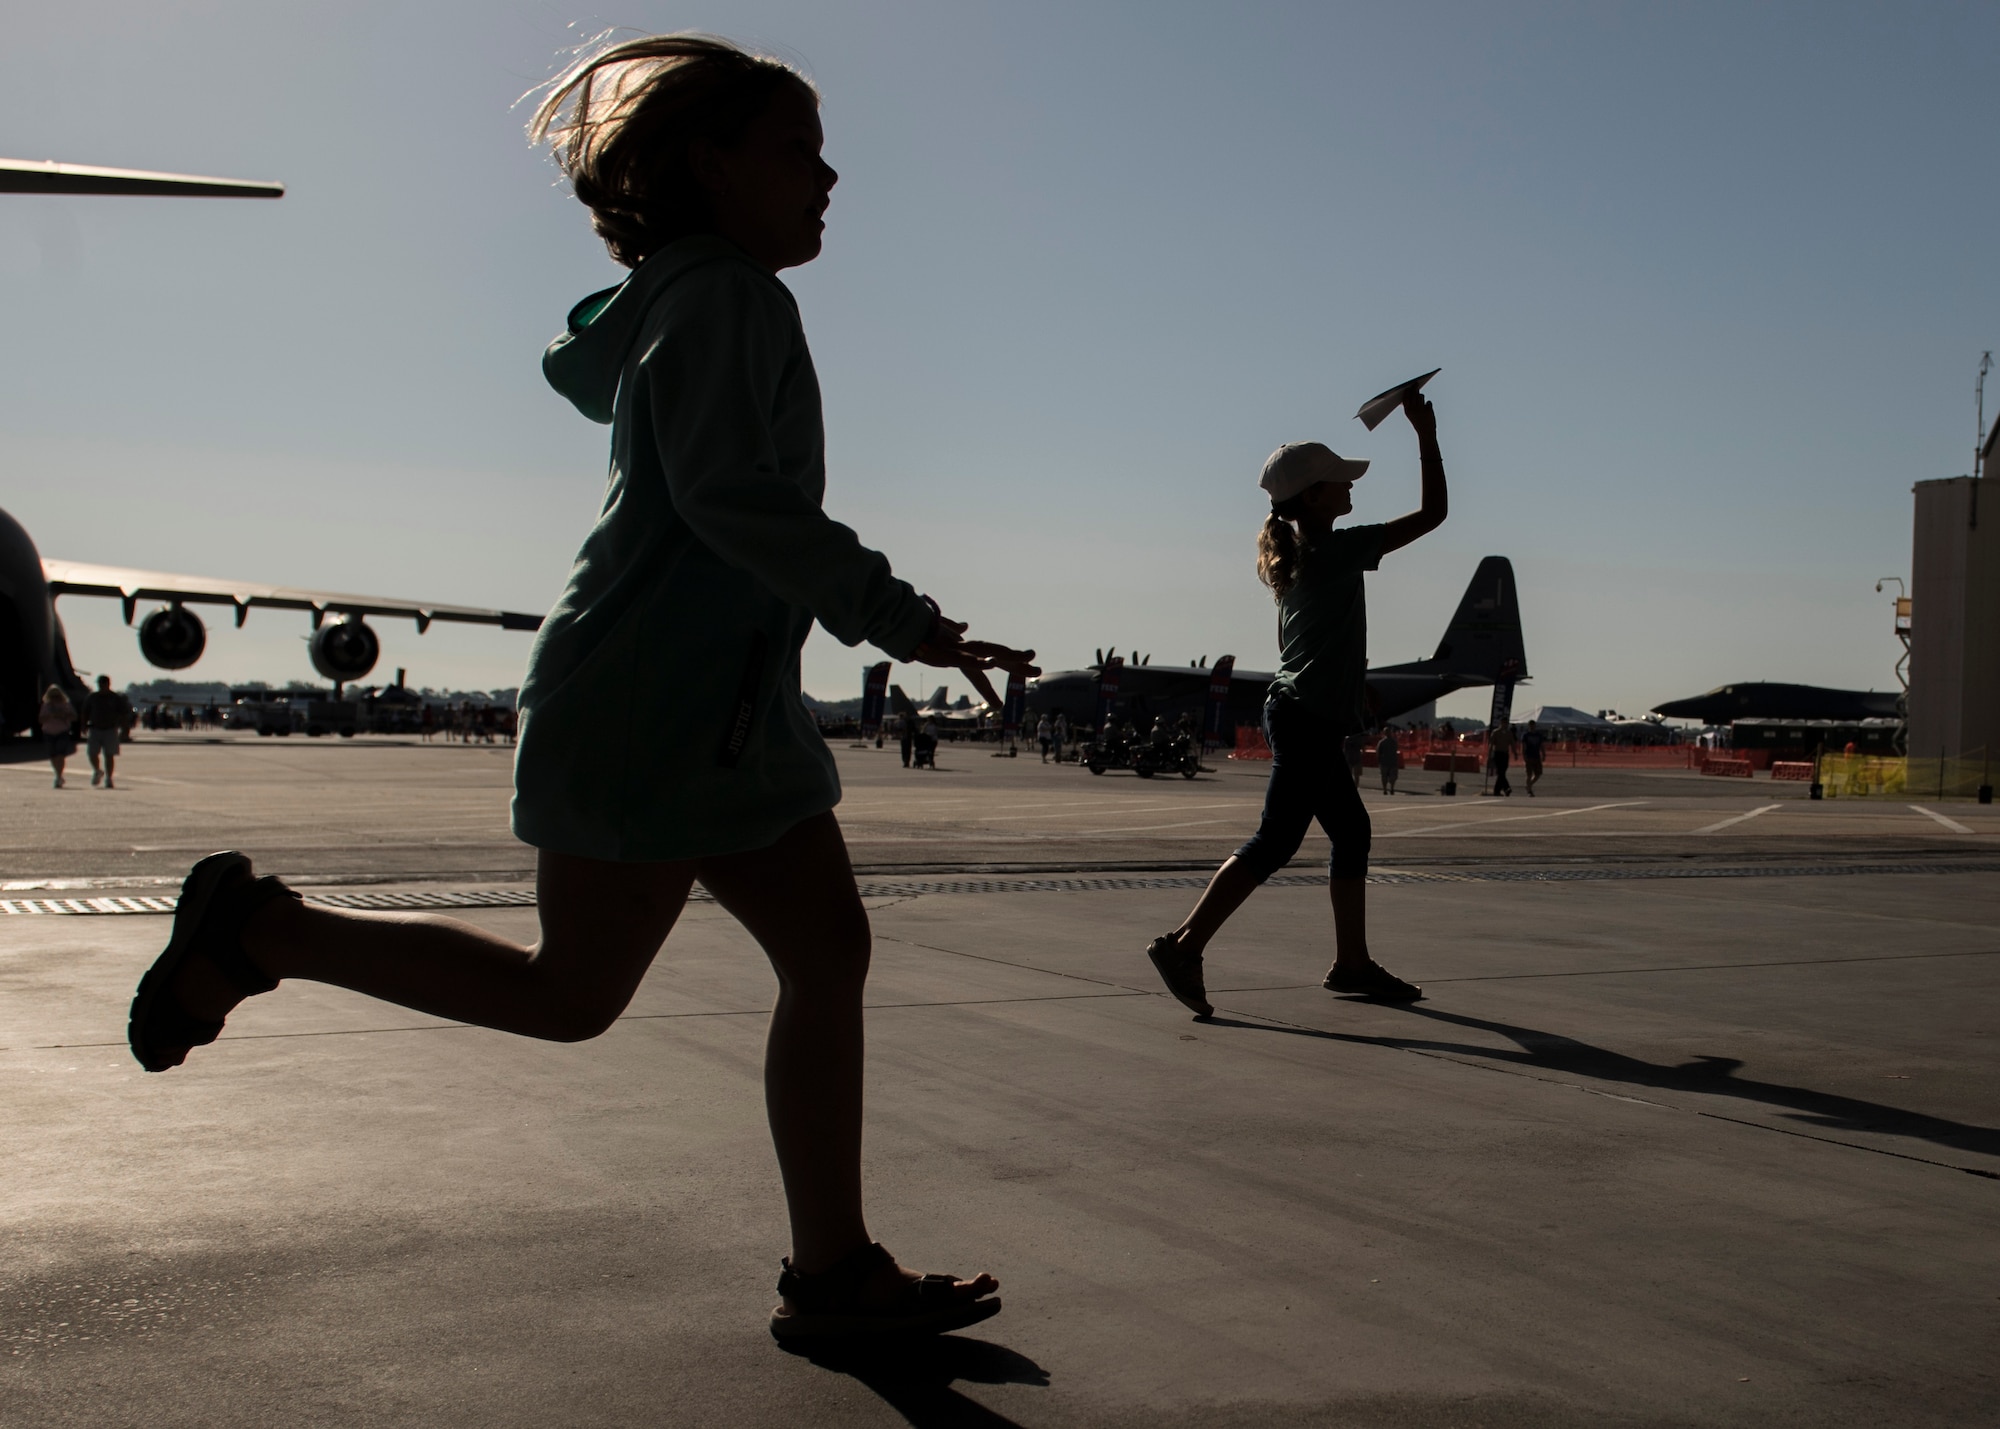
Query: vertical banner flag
x=1107, y=688
x=1218, y=702
x=1016, y=702
x=874, y=686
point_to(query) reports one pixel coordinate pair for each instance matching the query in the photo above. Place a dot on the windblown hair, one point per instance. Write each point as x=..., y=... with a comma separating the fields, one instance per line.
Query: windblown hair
x=1278, y=547
x=56, y=695
x=621, y=120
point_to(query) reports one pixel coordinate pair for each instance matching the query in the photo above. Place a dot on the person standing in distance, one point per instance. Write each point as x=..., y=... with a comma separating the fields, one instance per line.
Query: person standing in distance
x=1388, y=760
x=1532, y=743
x=1316, y=700
x=58, y=723
x=1042, y=736
x=682, y=623
x=107, y=716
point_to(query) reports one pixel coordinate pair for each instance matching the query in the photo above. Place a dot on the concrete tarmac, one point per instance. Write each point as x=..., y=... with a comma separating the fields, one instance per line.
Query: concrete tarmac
x=1716, y=1148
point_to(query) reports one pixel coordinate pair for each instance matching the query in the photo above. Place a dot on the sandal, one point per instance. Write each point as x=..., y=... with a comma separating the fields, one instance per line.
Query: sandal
x=1372, y=980
x=1181, y=972
x=216, y=900
x=826, y=1306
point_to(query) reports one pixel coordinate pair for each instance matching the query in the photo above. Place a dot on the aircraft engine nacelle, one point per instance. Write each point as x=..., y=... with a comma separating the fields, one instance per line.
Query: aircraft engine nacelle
x=345, y=650
x=172, y=637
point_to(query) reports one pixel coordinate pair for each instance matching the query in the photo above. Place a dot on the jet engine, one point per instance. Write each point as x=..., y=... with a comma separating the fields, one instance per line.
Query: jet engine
x=345, y=650
x=172, y=637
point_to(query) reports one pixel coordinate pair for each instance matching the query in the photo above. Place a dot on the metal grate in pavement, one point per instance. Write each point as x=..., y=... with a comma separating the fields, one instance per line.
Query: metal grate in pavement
x=1111, y=883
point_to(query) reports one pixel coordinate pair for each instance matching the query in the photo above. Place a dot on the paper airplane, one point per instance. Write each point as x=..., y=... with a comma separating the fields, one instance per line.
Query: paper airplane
x=1376, y=408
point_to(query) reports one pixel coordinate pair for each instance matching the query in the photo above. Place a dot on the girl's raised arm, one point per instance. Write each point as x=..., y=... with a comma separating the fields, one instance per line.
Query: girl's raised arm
x=1421, y=522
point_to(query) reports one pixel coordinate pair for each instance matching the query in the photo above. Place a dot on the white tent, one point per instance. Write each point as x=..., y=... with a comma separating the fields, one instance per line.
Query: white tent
x=1561, y=719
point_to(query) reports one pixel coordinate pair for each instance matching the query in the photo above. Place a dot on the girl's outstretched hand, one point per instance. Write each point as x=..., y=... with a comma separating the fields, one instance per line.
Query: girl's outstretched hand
x=946, y=648
x=1422, y=416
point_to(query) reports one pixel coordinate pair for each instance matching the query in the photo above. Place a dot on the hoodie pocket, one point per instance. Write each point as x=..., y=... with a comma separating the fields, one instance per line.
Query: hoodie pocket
x=744, y=711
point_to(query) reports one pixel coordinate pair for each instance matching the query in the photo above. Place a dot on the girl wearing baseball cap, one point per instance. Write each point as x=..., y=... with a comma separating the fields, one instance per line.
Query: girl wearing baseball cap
x=1316, y=700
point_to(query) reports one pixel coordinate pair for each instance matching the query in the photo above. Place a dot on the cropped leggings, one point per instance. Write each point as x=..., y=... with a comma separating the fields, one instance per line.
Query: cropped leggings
x=1309, y=780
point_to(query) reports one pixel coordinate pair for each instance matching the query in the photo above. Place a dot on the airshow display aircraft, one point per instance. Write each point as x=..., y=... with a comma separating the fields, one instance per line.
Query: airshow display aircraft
x=1481, y=646
x=34, y=653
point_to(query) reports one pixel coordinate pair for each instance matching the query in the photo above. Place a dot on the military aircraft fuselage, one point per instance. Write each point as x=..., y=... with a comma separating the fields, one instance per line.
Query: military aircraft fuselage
x=1762, y=700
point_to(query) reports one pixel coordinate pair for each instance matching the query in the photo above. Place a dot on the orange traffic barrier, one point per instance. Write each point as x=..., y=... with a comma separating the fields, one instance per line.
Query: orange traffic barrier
x=1801, y=770
x=1250, y=743
x=1727, y=768
x=1447, y=762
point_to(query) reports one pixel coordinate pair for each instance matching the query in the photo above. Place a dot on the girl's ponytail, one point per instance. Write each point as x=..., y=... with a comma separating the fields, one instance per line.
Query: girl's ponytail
x=1278, y=553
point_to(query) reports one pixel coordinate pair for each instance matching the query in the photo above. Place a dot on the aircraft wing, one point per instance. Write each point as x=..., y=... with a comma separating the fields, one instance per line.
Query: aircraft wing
x=131, y=587
x=29, y=176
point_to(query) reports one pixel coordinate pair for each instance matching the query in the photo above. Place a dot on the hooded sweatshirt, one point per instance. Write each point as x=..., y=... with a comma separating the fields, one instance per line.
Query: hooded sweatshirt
x=661, y=715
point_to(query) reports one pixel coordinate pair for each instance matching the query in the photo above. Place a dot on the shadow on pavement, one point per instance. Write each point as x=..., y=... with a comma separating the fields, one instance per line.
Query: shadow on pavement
x=1714, y=1076
x=33, y=751
x=914, y=1377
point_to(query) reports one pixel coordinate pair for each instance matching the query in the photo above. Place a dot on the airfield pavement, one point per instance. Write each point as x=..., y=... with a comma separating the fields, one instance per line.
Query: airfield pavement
x=1698, y=1123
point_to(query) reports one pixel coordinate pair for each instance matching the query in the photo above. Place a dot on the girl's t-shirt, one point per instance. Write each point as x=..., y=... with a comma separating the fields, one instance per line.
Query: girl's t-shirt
x=1323, y=627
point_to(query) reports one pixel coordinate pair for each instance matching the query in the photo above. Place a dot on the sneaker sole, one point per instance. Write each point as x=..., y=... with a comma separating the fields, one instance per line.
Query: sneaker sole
x=197, y=892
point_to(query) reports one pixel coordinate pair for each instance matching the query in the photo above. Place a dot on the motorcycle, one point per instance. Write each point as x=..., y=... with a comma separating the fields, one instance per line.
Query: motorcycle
x=1180, y=756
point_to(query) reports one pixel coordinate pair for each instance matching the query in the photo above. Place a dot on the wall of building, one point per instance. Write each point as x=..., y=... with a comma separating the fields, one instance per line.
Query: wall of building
x=1955, y=619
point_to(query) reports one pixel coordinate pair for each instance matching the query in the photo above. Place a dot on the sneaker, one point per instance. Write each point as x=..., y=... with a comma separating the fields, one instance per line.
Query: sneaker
x=96, y=777
x=1181, y=972
x=1371, y=980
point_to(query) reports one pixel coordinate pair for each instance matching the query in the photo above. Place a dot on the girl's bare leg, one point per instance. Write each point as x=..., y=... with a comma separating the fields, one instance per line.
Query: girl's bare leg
x=797, y=899
x=1226, y=892
x=601, y=925
x=1350, y=921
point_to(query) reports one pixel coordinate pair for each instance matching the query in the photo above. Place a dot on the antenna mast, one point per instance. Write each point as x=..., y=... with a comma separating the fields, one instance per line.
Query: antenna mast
x=1979, y=437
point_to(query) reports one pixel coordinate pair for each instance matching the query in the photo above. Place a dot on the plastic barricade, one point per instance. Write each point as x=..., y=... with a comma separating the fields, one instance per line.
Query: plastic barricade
x=1250, y=743
x=1727, y=768
x=1801, y=770
x=1448, y=762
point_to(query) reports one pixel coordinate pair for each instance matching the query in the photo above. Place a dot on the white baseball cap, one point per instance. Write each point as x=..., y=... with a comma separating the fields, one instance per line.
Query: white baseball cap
x=1297, y=465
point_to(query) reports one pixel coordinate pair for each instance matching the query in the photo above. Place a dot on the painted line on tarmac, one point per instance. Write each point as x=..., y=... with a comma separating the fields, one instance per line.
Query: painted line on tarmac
x=1953, y=824
x=1717, y=828
x=1155, y=828
x=1718, y=967
x=1515, y=818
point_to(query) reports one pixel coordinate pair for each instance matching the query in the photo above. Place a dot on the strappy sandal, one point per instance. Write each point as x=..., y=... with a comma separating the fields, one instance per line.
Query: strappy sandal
x=216, y=901
x=1181, y=972
x=826, y=1306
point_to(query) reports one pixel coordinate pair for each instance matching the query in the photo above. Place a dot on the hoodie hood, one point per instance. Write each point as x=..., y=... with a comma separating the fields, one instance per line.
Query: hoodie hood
x=587, y=361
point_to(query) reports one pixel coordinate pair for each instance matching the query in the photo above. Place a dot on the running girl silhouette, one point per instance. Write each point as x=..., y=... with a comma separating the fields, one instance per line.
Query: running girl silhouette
x=1317, y=699
x=677, y=642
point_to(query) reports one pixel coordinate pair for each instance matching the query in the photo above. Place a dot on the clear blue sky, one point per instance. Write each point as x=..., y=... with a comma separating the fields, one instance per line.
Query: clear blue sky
x=1708, y=284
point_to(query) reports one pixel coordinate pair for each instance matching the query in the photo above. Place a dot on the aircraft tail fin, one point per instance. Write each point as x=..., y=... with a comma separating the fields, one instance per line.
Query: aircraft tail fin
x=937, y=699
x=1484, y=637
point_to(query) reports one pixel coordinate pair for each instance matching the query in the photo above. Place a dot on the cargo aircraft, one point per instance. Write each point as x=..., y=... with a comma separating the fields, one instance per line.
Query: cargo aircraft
x=1481, y=646
x=34, y=652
